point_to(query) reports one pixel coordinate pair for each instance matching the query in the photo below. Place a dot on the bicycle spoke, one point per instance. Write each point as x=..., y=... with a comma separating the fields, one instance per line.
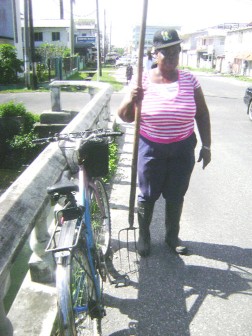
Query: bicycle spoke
x=82, y=288
x=100, y=217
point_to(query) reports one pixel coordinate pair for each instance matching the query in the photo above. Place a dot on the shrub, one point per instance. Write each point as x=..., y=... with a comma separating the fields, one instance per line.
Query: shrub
x=29, y=121
x=11, y=109
x=23, y=150
x=16, y=132
x=10, y=65
x=15, y=119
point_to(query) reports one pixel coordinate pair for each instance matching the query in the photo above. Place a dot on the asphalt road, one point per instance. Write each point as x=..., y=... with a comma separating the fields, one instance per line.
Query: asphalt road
x=208, y=292
x=38, y=102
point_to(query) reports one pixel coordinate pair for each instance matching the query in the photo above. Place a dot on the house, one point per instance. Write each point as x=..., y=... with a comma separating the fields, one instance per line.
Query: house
x=238, y=49
x=10, y=31
x=85, y=37
x=204, y=48
x=188, y=56
x=217, y=47
x=51, y=31
x=57, y=31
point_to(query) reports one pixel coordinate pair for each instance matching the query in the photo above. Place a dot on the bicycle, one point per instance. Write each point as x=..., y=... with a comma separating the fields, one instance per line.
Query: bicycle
x=80, y=241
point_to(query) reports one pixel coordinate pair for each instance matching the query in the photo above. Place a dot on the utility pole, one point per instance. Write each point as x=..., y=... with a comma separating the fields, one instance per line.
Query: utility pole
x=110, y=34
x=99, y=70
x=26, y=45
x=34, y=82
x=71, y=34
x=71, y=28
x=105, y=40
x=61, y=9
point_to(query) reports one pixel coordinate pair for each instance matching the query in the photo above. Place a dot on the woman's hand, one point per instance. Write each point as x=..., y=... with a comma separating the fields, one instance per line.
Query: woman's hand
x=205, y=155
x=126, y=110
x=136, y=94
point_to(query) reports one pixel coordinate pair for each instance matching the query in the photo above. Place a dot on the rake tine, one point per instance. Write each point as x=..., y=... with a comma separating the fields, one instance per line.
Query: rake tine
x=119, y=246
x=135, y=246
x=127, y=244
x=128, y=255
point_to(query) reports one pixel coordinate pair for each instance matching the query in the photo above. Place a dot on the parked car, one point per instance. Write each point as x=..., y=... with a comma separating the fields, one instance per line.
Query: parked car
x=111, y=57
x=248, y=101
x=123, y=61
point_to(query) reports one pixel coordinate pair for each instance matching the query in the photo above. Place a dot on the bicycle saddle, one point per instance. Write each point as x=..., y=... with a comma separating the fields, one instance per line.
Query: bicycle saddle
x=62, y=187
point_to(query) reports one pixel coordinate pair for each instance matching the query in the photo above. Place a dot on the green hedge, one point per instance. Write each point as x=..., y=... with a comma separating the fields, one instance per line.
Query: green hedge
x=16, y=134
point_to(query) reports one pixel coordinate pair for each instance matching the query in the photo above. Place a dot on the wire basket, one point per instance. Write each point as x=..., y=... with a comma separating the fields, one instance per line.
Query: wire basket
x=96, y=158
x=94, y=155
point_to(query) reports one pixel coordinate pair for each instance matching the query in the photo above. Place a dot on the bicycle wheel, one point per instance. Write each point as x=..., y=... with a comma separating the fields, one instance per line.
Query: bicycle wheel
x=100, y=216
x=65, y=313
x=80, y=311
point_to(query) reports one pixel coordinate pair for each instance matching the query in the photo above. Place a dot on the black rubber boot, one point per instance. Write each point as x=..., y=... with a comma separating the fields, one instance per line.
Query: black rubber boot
x=144, y=212
x=172, y=219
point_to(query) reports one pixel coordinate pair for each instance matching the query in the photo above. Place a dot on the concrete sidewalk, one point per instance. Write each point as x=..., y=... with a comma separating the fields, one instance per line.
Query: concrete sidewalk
x=205, y=293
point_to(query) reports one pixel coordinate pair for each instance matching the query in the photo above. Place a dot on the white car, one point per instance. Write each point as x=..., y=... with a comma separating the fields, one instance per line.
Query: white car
x=123, y=61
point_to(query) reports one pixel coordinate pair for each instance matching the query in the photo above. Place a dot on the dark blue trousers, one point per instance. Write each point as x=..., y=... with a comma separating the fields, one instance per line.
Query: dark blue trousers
x=165, y=169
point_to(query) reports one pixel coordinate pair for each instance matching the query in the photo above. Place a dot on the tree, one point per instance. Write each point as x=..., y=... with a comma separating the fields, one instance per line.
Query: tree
x=10, y=65
x=48, y=50
x=45, y=54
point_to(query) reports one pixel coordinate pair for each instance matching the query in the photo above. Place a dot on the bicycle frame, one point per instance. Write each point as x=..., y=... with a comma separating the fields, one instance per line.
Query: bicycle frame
x=84, y=188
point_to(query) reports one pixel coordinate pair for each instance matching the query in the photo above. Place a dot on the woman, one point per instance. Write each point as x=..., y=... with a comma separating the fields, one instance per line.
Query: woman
x=129, y=72
x=171, y=100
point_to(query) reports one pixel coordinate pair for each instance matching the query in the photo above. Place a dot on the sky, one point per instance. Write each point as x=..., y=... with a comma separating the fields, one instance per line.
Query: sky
x=121, y=15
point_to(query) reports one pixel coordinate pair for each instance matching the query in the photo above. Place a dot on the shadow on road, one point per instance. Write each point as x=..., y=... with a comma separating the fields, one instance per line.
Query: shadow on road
x=170, y=293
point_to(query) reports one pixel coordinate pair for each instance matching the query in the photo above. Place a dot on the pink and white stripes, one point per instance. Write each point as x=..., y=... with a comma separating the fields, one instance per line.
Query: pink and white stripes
x=168, y=110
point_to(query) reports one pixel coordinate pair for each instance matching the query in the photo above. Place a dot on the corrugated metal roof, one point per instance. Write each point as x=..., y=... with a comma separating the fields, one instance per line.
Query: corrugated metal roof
x=50, y=23
x=54, y=23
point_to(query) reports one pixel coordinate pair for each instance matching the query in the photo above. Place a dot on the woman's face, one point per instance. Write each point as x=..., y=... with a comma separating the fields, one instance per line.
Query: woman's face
x=169, y=57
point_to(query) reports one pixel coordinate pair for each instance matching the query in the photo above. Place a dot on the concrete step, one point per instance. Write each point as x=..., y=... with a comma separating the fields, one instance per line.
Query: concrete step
x=45, y=130
x=57, y=117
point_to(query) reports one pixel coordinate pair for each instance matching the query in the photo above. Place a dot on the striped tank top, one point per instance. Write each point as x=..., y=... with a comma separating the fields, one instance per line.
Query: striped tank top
x=168, y=110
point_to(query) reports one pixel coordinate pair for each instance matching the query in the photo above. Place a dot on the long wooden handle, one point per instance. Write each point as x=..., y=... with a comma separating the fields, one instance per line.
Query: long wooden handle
x=137, y=118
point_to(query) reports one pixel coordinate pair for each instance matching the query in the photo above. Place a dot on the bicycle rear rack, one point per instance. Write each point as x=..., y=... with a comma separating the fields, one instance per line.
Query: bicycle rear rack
x=67, y=230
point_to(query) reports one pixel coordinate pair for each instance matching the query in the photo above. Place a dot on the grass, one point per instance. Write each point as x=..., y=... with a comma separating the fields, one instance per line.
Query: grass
x=79, y=76
x=107, y=77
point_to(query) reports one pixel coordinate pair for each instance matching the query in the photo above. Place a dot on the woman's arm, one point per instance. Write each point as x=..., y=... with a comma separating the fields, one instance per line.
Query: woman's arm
x=126, y=110
x=203, y=123
x=202, y=118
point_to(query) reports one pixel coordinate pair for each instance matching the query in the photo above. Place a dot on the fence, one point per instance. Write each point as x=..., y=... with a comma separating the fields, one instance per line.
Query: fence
x=59, y=68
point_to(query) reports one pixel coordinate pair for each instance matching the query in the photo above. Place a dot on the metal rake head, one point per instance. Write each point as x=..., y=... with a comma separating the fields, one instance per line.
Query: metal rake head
x=131, y=247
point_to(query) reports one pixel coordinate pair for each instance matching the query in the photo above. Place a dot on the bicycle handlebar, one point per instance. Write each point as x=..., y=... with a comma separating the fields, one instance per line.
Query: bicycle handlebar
x=44, y=140
x=93, y=134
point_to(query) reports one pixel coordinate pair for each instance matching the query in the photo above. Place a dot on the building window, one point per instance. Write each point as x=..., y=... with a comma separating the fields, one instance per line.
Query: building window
x=55, y=36
x=38, y=37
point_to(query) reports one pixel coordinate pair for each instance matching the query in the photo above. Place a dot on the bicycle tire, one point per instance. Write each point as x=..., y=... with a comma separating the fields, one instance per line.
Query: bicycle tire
x=100, y=216
x=79, y=308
